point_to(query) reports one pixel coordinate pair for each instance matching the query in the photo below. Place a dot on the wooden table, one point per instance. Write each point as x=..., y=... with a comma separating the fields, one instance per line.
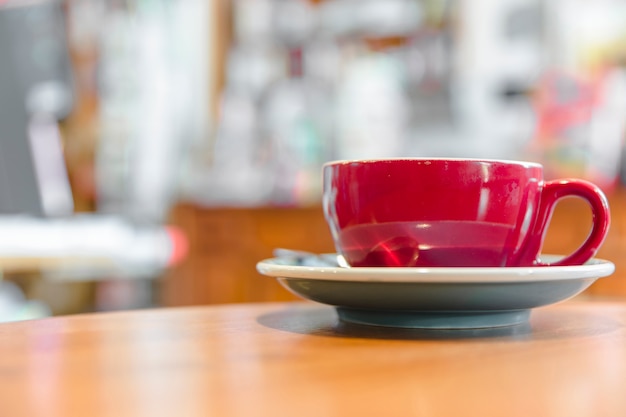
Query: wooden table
x=295, y=359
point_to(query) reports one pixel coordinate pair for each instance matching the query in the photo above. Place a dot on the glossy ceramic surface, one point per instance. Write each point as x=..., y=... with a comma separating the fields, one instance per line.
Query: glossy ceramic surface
x=450, y=212
x=433, y=297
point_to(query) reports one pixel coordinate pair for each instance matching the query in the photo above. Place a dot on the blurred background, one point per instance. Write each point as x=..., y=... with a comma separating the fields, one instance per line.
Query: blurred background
x=152, y=151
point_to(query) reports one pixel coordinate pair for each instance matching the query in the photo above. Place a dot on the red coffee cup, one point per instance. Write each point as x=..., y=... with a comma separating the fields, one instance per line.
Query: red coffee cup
x=417, y=212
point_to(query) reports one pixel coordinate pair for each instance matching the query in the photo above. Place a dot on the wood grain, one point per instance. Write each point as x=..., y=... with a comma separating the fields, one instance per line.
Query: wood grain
x=296, y=359
x=225, y=246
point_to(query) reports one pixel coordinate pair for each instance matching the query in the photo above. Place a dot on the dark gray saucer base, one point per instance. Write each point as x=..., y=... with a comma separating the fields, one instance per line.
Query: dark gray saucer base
x=434, y=320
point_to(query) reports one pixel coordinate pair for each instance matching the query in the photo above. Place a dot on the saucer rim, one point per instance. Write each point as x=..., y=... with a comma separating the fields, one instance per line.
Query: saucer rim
x=594, y=268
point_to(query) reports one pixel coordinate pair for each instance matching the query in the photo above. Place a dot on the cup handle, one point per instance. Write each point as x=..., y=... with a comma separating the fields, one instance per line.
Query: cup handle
x=555, y=190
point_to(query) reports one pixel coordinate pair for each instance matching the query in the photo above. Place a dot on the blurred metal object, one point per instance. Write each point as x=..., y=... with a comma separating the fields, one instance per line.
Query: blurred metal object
x=55, y=192
x=33, y=39
x=35, y=92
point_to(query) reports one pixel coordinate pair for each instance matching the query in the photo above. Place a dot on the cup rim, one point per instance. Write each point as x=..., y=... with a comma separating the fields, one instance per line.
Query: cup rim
x=526, y=164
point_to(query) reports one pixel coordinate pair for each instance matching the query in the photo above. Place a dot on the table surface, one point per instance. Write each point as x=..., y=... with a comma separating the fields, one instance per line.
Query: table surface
x=297, y=359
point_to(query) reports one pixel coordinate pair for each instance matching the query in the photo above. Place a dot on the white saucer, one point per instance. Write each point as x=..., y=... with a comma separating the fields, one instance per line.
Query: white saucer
x=441, y=298
x=325, y=267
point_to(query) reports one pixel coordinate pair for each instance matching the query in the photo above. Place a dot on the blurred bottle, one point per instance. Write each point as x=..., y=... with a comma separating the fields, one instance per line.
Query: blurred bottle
x=294, y=116
x=372, y=109
x=154, y=70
